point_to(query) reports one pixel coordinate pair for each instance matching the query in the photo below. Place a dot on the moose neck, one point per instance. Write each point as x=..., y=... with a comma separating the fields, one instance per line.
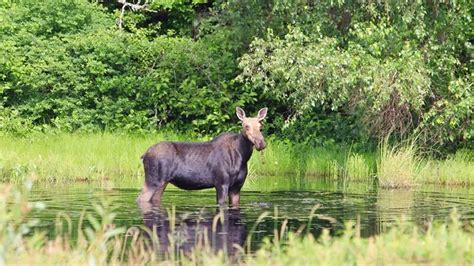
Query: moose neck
x=245, y=146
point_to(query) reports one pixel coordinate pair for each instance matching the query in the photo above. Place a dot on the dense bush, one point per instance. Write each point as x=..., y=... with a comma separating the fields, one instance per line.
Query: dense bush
x=104, y=78
x=397, y=68
x=331, y=72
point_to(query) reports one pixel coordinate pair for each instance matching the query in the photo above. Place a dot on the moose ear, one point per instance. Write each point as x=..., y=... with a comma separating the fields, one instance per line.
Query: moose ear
x=240, y=113
x=262, y=114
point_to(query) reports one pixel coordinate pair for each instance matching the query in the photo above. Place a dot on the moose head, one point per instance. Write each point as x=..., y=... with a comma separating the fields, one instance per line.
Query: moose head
x=251, y=127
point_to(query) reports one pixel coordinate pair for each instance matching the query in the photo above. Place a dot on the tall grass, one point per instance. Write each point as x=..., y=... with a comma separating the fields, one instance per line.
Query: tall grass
x=278, y=158
x=357, y=168
x=325, y=162
x=404, y=244
x=75, y=157
x=397, y=166
x=457, y=169
x=402, y=166
x=101, y=242
x=113, y=158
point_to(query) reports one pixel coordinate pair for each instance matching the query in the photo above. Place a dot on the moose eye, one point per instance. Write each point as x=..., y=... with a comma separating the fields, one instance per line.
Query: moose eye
x=247, y=127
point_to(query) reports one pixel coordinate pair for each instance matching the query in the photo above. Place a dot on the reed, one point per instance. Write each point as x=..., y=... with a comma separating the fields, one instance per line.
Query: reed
x=357, y=168
x=397, y=166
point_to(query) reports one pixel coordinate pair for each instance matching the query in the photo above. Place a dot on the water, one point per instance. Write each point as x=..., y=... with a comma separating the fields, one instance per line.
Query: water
x=286, y=201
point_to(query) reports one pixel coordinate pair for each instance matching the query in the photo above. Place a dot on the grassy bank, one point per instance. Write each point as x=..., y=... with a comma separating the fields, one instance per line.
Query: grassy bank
x=75, y=157
x=115, y=159
x=99, y=241
x=402, y=166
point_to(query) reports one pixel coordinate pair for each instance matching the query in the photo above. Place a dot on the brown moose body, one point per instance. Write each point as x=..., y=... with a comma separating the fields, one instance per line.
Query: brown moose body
x=220, y=163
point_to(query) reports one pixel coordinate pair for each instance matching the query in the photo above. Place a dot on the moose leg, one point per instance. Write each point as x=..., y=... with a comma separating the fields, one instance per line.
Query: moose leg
x=152, y=193
x=146, y=194
x=155, y=182
x=234, y=191
x=234, y=198
x=234, y=195
x=156, y=198
x=221, y=194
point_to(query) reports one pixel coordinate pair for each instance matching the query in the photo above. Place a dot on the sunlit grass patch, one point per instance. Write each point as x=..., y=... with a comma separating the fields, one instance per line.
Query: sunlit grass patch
x=397, y=166
x=73, y=157
x=325, y=162
x=277, y=158
x=357, y=168
x=457, y=169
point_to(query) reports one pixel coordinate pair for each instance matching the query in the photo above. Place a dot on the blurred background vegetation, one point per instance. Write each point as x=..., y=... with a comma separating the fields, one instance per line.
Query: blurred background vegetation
x=331, y=72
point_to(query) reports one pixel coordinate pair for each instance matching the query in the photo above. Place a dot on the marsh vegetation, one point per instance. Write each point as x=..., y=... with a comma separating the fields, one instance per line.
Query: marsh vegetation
x=115, y=158
x=32, y=231
x=370, y=120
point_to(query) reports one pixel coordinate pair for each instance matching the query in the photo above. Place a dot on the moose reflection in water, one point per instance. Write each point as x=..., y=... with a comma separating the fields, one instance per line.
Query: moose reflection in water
x=220, y=163
x=222, y=230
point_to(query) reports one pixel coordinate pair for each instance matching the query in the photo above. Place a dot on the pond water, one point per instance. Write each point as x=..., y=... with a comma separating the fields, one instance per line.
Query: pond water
x=286, y=200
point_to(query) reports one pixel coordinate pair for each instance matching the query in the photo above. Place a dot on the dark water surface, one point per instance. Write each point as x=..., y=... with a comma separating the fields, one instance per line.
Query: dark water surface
x=284, y=199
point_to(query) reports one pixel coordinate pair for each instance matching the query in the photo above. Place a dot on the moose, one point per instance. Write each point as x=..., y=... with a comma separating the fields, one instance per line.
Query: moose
x=220, y=163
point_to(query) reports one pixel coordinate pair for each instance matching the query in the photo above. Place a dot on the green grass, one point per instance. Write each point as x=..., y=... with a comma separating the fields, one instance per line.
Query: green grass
x=397, y=166
x=445, y=244
x=113, y=159
x=76, y=157
x=401, y=166
x=99, y=242
x=357, y=167
x=454, y=170
x=278, y=158
x=325, y=162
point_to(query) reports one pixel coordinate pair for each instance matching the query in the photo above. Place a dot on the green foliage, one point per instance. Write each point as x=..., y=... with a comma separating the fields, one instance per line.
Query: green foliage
x=332, y=72
x=28, y=20
x=108, y=79
x=450, y=120
x=378, y=62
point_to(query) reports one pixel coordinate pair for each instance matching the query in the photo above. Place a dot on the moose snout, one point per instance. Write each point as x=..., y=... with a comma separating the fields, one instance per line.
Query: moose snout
x=260, y=144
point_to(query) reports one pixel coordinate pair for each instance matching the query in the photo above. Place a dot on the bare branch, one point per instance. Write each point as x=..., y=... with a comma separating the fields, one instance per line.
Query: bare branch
x=133, y=6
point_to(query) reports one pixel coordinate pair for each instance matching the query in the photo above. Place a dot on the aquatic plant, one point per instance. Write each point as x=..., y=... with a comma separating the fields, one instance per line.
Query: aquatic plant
x=446, y=244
